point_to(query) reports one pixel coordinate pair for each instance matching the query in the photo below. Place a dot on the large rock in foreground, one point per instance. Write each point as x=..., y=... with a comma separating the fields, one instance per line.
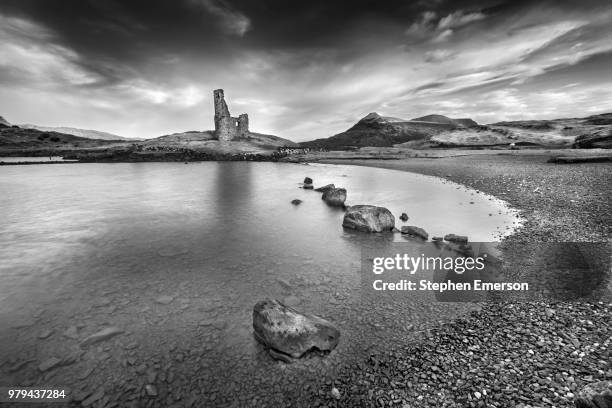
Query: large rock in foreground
x=368, y=218
x=335, y=197
x=284, y=330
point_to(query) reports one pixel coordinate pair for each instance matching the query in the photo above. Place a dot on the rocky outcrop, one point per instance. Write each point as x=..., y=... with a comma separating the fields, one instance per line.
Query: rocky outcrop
x=335, y=197
x=325, y=188
x=595, y=395
x=601, y=139
x=415, y=231
x=368, y=218
x=289, y=333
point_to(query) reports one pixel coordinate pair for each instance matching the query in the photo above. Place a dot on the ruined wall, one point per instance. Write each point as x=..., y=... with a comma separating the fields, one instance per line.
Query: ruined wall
x=243, y=125
x=226, y=126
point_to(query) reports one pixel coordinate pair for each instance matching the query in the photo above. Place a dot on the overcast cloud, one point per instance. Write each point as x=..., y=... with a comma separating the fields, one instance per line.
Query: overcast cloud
x=300, y=70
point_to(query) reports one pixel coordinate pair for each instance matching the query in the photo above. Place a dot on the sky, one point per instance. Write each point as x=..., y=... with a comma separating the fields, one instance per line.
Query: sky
x=301, y=70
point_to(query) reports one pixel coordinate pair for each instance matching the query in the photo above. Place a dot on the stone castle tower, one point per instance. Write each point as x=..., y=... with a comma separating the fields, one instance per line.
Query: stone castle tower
x=226, y=126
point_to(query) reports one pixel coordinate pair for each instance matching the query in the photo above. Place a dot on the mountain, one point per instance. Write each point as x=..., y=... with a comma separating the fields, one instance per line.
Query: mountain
x=4, y=122
x=86, y=133
x=382, y=131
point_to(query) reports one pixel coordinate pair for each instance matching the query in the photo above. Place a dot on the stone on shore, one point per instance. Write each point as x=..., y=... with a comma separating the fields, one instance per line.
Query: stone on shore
x=459, y=239
x=102, y=335
x=335, y=197
x=289, y=332
x=415, y=231
x=325, y=188
x=595, y=395
x=368, y=218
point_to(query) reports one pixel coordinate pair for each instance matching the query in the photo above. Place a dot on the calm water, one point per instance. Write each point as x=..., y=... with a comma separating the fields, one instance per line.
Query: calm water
x=177, y=255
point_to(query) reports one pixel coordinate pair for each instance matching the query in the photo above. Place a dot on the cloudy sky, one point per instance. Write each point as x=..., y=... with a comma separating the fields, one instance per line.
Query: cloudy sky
x=301, y=70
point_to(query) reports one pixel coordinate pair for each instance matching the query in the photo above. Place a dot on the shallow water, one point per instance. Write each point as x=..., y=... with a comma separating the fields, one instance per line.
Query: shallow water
x=178, y=254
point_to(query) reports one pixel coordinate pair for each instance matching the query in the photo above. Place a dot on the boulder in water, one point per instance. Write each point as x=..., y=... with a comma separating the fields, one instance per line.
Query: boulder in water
x=459, y=239
x=308, y=184
x=325, y=188
x=368, y=218
x=415, y=231
x=404, y=217
x=296, y=201
x=335, y=197
x=285, y=330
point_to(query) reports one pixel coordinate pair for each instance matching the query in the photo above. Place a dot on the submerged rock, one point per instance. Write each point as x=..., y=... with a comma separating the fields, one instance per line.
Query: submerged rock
x=460, y=239
x=289, y=332
x=368, y=218
x=404, y=217
x=102, y=335
x=415, y=232
x=296, y=201
x=325, y=188
x=335, y=197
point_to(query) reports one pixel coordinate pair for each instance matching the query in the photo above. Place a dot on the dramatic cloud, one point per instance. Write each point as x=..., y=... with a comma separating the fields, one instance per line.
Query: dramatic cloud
x=301, y=70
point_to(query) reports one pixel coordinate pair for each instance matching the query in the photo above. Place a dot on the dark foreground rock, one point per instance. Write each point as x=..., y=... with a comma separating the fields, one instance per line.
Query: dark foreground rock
x=368, y=218
x=335, y=197
x=414, y=231
x=289, y=332
x=595, y=395
x=325, y=188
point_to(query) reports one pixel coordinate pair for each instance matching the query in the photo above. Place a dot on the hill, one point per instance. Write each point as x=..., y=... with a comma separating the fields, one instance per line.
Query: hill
x=204, y=141
x=86, y=133
x=4, y=122
x=15, y=139
x=382, y=131
x=592, y=131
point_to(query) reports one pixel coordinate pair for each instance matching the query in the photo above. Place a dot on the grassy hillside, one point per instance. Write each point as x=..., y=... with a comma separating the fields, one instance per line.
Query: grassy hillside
x=18, y=139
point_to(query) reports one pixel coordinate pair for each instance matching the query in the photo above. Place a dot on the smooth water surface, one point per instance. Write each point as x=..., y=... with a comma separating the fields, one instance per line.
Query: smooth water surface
x=177, y=255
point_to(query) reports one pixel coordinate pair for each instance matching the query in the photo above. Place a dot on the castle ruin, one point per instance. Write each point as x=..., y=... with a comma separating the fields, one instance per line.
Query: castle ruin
x=227, y=127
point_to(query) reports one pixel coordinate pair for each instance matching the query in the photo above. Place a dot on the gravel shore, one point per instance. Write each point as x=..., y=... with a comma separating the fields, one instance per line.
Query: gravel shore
x=507, y=354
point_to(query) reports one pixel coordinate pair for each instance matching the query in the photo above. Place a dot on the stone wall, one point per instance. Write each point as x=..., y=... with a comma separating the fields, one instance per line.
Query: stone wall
x=228, y=127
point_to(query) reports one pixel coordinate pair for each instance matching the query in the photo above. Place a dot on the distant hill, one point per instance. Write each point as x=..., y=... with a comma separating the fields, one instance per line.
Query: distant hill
x=589, y=132
x=383, y=131
x=4, y=122
x=15, y=138
x=86, y=133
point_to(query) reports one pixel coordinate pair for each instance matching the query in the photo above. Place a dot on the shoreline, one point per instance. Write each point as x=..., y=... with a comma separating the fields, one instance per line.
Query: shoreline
x=516, y=354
